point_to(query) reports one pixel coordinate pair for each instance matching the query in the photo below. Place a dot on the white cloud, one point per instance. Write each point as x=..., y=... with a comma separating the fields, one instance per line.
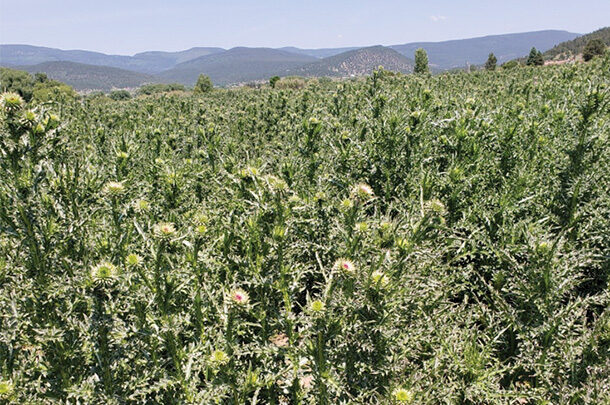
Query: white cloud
x=438, y=18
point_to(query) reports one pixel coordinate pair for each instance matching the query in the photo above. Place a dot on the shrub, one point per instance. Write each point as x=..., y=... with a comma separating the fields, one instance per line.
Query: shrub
x=294, y=83
x=158, y=88
x=118, y=95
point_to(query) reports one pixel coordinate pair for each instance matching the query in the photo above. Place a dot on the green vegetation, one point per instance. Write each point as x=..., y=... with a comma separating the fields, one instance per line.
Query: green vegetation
x=16, y=81
x=511, y=64
x=491, y=63
x=159, y=88
x=292, y=82
x=119, y=95
x=389, y=239
x=273, y=81
x=203, y=85
x=535, y=58
x=421, y=61
x=38, y=86
x=577, y=46
x=595, y=47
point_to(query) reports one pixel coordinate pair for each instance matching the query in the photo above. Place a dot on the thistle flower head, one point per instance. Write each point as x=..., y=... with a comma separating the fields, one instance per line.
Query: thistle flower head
x=276, y=184
x=363, y=192
x=141, y=206
x=164, y=230
x=29, y=117
x=200, y=220
x=201, y=229
x=317, y=306
x=219, y=358
x=347, y=204
x=362, y=227
x=404, y=244
x=52, y=121
x=403, y=395
x=11, y=101
x=385, y=226
x=436, y=206
x=294, y=199
x=456, y=173
x=344, y=265
x=543, y=248
x=248, y=172
x=239, y=297
x=114, y=188
x=38, y=129
x=379, y=278
x=133, y=260
x=6, y=388
x=319, y=196
x=104, y=274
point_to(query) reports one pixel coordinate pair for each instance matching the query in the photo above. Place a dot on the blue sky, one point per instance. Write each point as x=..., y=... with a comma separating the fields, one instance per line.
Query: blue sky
x=129, y=26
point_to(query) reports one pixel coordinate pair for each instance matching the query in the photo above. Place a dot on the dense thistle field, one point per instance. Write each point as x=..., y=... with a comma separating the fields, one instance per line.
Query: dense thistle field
x=395, y=239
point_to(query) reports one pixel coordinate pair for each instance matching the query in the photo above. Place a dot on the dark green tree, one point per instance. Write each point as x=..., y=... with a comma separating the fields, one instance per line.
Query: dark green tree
x=40, y=78
x=421, y=61
x=204, y=85
x=118, y=95
x=535, y=58
x=491, y=62
x=273, y=81
x=594, y=47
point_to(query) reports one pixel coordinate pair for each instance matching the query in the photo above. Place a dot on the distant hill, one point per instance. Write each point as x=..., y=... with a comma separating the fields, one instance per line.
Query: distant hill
x=318, y=53
x=21, y=55
x=146, y=62
x=236, y=65
x=174, y=58
x=356, y=63
x=90, y=77
x=576, y=46
x=457, y=53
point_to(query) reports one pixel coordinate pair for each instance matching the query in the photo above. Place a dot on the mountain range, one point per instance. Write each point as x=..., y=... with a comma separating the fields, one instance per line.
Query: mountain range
x=95, y=70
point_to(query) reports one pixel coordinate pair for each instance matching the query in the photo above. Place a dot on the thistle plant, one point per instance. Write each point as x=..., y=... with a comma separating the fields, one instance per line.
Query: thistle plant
x=389, y=239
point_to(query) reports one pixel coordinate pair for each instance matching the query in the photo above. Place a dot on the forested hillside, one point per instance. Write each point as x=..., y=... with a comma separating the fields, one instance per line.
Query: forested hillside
x=576, y=46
